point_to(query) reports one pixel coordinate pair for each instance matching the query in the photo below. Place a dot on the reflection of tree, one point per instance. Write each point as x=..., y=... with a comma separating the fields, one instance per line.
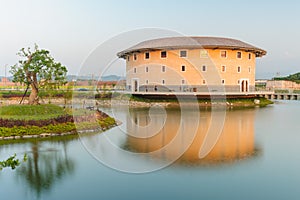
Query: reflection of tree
x=44, y=168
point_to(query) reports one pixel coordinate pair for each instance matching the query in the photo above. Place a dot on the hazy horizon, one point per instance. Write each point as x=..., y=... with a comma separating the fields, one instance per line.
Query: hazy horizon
x=72, y=30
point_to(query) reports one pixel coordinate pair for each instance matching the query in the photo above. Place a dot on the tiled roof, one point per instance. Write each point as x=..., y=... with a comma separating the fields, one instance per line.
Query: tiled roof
x=171, y=43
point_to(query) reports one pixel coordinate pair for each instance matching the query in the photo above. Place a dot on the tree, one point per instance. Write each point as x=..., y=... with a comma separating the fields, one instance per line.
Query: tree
x=37, y=69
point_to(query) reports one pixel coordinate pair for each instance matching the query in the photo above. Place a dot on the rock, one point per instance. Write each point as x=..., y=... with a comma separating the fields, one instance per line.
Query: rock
x=256, y=101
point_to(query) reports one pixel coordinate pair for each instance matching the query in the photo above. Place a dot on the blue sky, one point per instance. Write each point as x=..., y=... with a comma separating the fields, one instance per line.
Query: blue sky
x=72, y=29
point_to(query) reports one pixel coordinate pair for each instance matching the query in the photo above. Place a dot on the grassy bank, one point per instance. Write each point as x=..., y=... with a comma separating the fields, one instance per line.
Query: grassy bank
x=232, y=102
x=21, y=120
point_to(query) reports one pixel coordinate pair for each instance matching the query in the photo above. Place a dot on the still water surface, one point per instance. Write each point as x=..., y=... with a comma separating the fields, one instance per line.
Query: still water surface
x=257, y=156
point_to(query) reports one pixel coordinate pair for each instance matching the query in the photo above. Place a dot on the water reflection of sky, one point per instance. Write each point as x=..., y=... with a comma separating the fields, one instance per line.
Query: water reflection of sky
x=271, y=175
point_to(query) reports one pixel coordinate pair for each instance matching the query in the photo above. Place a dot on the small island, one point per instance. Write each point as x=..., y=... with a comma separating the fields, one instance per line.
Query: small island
x=30, y=121
x=37, y=72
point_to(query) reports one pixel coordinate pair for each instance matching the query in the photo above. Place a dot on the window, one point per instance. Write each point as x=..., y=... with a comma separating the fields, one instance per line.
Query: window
x=147, y=55
x=239, y=54
x=147, y=69
x=223, y=81
x=163, y=54
x=147, y=82
x=204, y=68
x=134, y=70
x=223, y=54
x=239, y=69
x=238, y=82
x=134, y=57
x=203, y=54
x=183, y=68
x=223, y=68
x=163, y=82
x=249, y=69
x=183, y=54
x=249, y=56
x=163, y=68
x=128, y=58
x=204, y=82
x=182, y=81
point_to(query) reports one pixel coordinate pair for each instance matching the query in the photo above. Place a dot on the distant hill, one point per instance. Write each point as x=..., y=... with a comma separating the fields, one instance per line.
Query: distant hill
x=294, y=77
x=103, y=78
x=112, y=78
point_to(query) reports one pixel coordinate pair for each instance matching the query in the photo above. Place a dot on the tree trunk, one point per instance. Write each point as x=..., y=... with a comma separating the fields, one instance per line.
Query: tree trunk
x=33, y=97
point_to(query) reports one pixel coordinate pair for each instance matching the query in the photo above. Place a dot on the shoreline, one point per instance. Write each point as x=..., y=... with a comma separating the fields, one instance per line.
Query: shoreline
x=146, y=103
x=16, y=125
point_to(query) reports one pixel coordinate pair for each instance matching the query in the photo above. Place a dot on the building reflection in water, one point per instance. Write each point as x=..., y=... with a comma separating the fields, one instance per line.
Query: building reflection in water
x=236, y=140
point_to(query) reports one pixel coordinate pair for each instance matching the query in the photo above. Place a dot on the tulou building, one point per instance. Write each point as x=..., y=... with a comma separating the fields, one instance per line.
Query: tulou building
x=201, y=66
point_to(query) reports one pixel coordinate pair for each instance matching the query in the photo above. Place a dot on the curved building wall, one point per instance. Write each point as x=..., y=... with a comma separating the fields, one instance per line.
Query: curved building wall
x=193, y=72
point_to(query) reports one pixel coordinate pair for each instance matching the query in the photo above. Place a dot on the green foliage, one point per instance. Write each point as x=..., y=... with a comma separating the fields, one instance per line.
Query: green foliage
x=48, y=111
x=35, y=130
x=12, y=162
x=107, y=122
x=281, y=91
x=293, y=77
x=31, y=112
x=56, y=129
x=296, y=91
x=41, y=63
x=38, y=69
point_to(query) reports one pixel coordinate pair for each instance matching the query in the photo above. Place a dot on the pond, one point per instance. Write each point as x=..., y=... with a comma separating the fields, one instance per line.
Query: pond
x=166, y=154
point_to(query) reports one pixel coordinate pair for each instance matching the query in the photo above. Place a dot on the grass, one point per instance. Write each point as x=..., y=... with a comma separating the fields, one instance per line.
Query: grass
x=46, y=111
x=31, y=112
x=250, y=101
x=236, y=101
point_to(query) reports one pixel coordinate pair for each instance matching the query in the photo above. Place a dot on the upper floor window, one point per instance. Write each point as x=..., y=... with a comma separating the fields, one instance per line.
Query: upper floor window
x=203, y=54
x=134, y=57
x=204, y=68
x=183, y=68
x=223, y=81
x=239, y=54
x=163, y=68
x=163, y=82
x=223, y=68
x=183, y=53
x=128, y=58
x=134, y=70
x=223, y=54
x=147, y=69
x=182, y=81
x=249, y=56
x=147, y=55
x=249, y=69
x=163, y=54
x=203, y=82
x=239, y=69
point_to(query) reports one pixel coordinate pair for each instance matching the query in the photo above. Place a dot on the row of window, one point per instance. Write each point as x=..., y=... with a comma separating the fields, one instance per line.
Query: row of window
x=204, y=69
x=163, y=81
x=184, y=54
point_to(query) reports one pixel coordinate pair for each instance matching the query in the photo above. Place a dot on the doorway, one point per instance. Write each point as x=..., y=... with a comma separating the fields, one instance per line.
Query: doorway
x=244, y=86
x=135, y=83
